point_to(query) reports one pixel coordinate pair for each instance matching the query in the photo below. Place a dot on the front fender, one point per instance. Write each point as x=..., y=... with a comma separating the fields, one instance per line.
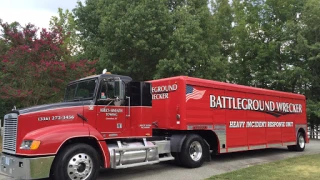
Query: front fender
x=53, y=137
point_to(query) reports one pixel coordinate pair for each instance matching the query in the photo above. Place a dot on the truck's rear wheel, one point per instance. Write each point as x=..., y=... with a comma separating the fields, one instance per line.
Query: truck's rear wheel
x=78, y=161
x=192, y=151
x=301, y=143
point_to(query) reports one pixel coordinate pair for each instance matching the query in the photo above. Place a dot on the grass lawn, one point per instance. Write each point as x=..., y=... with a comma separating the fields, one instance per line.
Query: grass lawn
x=0, y=144
x=303, y=167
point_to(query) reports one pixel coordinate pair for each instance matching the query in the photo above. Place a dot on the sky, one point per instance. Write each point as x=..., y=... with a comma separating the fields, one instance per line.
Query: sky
x=37, y=12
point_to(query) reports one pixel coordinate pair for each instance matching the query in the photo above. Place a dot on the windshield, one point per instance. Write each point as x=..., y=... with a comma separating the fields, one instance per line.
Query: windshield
x=80, y=90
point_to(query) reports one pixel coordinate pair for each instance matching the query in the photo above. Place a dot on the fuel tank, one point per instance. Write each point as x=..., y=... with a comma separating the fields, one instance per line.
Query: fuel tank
x=131, y=153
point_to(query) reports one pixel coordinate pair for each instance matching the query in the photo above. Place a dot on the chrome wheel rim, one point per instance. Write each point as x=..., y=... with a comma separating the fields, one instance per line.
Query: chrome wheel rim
x=80, y=167
x=301, y=142
x=195, y=151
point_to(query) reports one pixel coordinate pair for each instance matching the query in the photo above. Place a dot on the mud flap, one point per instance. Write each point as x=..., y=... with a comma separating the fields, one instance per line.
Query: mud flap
x=176, y=142
x=207, y=156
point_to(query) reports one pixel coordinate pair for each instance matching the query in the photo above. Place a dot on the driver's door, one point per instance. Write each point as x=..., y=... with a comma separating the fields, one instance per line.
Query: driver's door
x=111, y=114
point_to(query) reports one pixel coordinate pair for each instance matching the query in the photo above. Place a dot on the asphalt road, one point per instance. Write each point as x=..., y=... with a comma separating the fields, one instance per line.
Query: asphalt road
x=219, y=164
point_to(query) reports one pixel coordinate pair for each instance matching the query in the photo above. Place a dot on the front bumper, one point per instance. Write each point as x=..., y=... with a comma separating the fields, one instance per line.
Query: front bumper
x=26, y=168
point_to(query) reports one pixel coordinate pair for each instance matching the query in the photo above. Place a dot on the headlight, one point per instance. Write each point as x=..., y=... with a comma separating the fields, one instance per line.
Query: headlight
x=30, y=144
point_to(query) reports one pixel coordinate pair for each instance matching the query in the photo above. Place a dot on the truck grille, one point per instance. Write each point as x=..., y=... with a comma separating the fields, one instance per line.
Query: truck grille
x=10, y=133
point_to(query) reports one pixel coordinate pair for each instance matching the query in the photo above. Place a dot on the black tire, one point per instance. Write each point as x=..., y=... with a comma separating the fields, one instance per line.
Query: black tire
x=59, y=170
x=192, y=143
x=300, y=143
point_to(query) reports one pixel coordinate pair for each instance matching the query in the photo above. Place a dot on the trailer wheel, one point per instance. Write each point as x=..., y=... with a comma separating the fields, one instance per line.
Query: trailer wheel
x=301, y=143
x=77, y=161
x=192, y=151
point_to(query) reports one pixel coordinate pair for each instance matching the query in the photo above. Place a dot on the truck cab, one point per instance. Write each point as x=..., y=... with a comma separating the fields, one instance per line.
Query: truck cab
x=97, y=111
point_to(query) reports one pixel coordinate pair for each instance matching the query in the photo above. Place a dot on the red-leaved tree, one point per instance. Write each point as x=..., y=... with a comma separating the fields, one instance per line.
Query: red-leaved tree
x=36, y=67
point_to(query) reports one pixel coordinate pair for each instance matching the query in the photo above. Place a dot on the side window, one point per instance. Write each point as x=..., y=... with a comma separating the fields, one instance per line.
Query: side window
x=107, y=90
x=70, y=92
x=81, y=90
x=103, y=91
x=85, y=89
x=110, y=91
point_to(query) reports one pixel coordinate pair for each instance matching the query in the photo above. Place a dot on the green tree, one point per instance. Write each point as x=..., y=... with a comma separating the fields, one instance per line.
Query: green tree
x=309, y=50
x=265, y=37
x=282, y=22
x=130, y=38
x=88, y=19
x=246, y=39
x=222, y=20
x=193, y=46
x=151, y=39
x=66, y=23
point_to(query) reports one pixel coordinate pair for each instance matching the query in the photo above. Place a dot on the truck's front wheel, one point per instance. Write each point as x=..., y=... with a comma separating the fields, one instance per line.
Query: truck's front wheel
x=77, y=161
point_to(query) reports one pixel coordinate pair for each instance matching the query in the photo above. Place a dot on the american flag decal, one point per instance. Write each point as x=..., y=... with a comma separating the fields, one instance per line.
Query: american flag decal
x=193, y=93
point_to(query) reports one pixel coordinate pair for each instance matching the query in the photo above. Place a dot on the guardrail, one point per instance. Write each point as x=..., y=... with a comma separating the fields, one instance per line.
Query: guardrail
x=314, y=133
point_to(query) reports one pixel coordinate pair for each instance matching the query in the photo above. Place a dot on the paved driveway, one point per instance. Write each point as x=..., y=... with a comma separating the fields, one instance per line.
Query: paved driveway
x=219, y=164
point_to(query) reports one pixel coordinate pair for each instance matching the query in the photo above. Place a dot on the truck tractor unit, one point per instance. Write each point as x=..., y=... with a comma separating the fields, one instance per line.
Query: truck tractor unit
x=111, y=121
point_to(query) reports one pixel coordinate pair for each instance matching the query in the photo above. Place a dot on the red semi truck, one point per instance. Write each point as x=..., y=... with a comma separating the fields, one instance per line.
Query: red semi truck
x=111, y=121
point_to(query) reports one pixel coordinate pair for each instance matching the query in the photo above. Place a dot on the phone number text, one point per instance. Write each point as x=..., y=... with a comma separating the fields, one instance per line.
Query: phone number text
x=53, y=118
